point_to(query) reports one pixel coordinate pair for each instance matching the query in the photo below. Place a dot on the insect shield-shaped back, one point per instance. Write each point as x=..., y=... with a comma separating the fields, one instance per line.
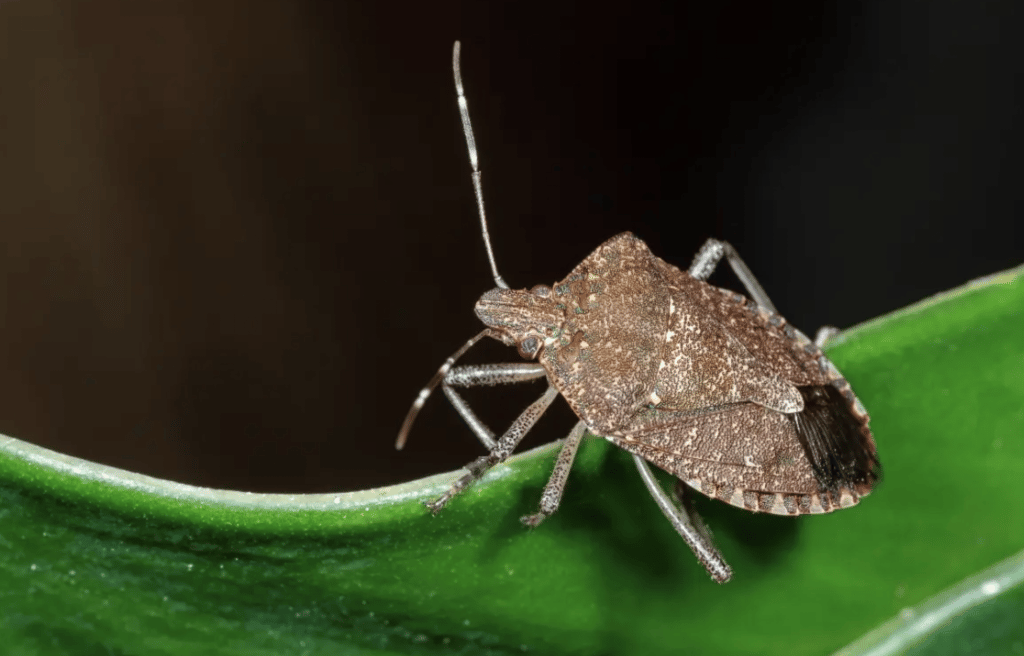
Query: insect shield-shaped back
x=601, y=330
x=695, y=379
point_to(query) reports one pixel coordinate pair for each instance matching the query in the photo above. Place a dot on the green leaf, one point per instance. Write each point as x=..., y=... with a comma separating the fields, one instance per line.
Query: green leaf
x=98, y=560
x=980, y=615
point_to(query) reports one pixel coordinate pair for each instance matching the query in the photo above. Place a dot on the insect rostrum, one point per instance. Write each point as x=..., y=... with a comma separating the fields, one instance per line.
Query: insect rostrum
x=714, y=388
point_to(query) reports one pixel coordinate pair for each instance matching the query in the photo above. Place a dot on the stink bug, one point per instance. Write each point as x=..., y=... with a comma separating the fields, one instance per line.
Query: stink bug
x=714, y=388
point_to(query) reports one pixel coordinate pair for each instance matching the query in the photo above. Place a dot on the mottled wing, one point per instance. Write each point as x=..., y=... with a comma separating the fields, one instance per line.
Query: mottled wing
x=767, y=337
x=759, y=459
x=703, y=365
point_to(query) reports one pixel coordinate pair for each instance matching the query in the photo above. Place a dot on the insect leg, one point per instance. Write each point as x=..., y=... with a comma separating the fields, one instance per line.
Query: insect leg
x=494, y=374
x=683, y=495
x=552, y=494
x=707, y=259
x=502, y=449
x=697, y=539
x=479, y=428
x=824, y=334
x=424, y=394
x=485, y=374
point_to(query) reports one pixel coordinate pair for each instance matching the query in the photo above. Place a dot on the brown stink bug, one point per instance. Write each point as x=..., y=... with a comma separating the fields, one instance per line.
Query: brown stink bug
x=714, y=388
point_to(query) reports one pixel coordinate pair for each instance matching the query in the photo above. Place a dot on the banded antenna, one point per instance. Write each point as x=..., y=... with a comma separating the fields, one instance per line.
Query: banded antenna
x=467, y=128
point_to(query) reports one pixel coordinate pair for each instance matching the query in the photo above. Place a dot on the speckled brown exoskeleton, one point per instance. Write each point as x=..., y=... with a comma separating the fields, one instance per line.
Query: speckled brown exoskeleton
x=713, y=387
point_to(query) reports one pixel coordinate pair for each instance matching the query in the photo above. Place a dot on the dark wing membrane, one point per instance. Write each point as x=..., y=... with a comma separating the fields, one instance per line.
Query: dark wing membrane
x=836, y=442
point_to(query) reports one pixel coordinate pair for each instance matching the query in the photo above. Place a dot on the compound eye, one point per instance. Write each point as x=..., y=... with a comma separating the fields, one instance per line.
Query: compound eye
x=541, y=290
x=528, y=347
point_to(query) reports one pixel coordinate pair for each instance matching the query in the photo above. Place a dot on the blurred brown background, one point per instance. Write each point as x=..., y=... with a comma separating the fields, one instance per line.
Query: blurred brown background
x=237, y=237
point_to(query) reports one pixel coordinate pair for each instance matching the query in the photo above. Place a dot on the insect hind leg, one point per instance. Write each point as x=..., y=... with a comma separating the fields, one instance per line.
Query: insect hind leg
x=694, y=533
x=708, y=257
x=683, y=496
x=503, y=448
x=824, y=334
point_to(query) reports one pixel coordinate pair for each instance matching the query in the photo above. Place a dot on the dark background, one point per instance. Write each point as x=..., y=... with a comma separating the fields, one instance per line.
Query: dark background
x=238, y=237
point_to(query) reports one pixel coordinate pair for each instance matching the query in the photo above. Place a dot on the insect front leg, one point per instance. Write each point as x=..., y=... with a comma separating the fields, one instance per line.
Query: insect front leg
x=502, y=449
x=707, y=259
x=694, y=534
x=552, y=494
x=485, y=374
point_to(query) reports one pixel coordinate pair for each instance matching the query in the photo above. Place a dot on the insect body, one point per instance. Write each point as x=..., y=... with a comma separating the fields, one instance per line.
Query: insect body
x=714, y=388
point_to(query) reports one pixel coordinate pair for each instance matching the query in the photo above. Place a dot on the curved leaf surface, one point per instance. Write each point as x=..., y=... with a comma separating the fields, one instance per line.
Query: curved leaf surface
x=99, y=560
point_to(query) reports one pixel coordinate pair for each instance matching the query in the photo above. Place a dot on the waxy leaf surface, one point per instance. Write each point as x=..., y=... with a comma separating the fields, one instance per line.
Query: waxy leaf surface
x=95, y=560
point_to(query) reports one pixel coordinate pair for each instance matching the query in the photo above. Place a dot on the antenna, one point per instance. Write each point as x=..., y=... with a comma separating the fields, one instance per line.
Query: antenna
x=467, y=128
